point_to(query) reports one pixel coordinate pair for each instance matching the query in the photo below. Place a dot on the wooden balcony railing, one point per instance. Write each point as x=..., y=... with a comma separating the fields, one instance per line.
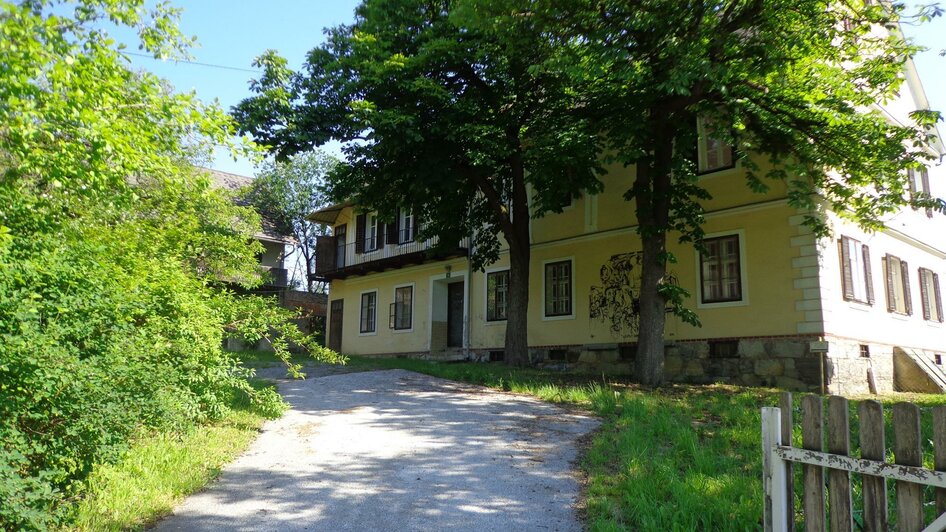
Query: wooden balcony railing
x=337, y=259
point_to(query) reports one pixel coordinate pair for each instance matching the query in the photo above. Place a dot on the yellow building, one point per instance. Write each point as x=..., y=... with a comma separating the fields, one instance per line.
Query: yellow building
x=778, y=306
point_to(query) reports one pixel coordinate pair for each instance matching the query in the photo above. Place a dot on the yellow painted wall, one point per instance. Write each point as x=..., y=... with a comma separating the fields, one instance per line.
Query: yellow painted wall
x=769, y=310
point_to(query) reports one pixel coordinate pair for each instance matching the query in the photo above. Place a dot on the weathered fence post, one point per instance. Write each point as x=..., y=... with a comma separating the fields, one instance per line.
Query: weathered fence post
x=839, y=482
x=907, y=451
x=939, y=453
x=785, y=404
x=812, y=426
x=871, y=422
x=775, y=508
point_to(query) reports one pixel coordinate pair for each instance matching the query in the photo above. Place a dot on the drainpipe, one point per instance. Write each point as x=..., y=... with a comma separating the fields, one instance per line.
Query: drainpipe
x=467, y=326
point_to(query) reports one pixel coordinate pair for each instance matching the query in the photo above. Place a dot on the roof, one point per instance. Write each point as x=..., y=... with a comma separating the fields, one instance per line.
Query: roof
x=234, y=182
x=328, y=215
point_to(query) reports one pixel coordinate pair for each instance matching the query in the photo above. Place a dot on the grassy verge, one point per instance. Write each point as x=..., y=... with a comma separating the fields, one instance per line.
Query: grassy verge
x=160, y=469
x=678, y=458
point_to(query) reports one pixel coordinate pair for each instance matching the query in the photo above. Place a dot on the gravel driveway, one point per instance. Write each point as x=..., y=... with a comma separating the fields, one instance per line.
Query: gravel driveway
x=397, y=450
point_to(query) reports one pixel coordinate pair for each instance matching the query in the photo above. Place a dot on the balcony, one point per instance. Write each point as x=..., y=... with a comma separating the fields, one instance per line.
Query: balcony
x=273, y=276
x=337, y=259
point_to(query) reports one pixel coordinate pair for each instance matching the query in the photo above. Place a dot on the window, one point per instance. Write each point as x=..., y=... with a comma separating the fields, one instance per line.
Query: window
x=864, y=350
x=930, y=296
x=724, y=348
x=720, y=270
x=856, y=280
x=497, y=290
x=558, y=288
x=371, y=232
x=896, y=274
x=402, y=308
x=712, y=154
x=369, y=312
x=919, y=182
x=405, y=225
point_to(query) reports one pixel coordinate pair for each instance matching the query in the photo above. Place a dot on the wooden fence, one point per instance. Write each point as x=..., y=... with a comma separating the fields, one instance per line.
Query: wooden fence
x=779, y=456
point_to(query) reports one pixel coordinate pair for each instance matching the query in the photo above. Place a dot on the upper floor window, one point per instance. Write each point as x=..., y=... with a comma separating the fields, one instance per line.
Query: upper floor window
x=919, y=181
x=368, y=233
x=720, y=270
x=371, y=231
x=897, y=282
x=558, y=288
x=930, y=296
x=405, y=224
x=497, y=290
x=712, y=153
x=369, y=312
x=856, y=279
x=402, y=308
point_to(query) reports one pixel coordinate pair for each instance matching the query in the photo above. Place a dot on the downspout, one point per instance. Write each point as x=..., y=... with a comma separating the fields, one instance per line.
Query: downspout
x=467, y=327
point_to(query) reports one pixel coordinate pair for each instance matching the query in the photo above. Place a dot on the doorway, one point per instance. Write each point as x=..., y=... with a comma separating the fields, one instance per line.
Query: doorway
x=455, y=314
x=335, y=325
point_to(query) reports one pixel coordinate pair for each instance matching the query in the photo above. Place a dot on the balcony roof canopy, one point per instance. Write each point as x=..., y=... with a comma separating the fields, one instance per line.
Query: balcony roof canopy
x=328, y=215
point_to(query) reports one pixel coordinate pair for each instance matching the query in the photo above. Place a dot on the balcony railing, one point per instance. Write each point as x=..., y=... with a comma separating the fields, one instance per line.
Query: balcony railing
x=336, y=258
x=273, y=276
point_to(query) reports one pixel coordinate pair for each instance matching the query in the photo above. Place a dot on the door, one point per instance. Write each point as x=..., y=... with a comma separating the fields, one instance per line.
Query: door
x=335, y=326
x=340, y=241
x=455, y=315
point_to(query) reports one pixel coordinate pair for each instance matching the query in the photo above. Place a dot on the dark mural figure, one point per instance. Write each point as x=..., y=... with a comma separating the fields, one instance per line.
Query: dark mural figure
x=617, y=300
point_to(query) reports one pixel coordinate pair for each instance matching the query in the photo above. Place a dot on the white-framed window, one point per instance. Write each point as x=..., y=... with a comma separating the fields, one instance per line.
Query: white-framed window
x=369, y=312
x=897, y=284
x=402, y=310
x=497, y=295
x=721, y=270
x=371, y=231
x=930, y=296
x=559, y=294
x=405, y=226
x=712, y=153
x=856, y=279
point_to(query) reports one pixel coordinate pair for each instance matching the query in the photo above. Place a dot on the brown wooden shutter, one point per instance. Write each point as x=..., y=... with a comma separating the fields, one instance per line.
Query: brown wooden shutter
x=379, y=236
x=888, y=284
x=925, y=176
x=360, y=221
x=847, y=279
x=911, y=180
x=907, y=299
x=925, y=300
x=325, y=249
x=868, y=276
x=390, y=231
x=938, y=297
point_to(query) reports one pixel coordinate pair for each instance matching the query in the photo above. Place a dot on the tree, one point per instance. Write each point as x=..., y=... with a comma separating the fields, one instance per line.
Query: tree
x=794, y=81
x=443, y=112
x=286, y=192
x=111, y=249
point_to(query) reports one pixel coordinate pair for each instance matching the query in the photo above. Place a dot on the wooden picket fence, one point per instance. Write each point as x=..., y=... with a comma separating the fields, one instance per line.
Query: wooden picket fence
x=779, y=456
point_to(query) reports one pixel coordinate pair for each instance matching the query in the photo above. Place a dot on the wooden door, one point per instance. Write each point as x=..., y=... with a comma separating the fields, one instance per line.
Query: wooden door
x=335, y=325
x=455, y=315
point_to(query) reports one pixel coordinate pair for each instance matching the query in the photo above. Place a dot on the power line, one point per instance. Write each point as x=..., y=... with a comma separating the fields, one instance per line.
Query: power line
x=197, y=63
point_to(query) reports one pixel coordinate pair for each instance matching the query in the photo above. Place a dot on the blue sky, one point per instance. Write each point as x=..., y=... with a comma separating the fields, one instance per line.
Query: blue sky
x=230, y=33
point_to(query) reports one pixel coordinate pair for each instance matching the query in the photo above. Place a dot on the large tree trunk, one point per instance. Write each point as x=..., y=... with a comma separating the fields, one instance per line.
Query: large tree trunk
x=652, y=188
x=517, y=309
x=653, y=316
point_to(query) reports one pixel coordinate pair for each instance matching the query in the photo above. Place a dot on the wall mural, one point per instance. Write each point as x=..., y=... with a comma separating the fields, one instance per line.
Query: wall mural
x=617, y=301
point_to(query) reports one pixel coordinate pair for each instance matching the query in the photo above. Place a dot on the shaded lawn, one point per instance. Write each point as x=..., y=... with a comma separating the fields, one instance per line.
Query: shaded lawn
x=675, y=458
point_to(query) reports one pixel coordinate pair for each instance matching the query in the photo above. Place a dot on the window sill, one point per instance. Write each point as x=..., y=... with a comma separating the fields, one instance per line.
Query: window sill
x=724, y=304
x=490, y=323
x=558, y=318
x=372, y=333
x=899, y=315
x=401, y=331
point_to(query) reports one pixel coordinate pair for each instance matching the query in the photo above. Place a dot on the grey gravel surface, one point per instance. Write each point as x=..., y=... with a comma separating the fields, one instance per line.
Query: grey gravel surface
x=397, y=450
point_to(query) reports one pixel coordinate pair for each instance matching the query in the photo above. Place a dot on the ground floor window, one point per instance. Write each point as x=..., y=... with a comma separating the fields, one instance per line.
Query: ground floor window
x=558, y=288
x=897, y=281
x=369, y=312
x=930, y=295
x=497, y=290
x=402, y=308
x=720, y=270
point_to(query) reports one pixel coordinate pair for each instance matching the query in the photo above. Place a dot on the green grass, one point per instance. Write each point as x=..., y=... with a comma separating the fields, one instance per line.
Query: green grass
x=160, y=469
x=677, y=458
x=258, y=358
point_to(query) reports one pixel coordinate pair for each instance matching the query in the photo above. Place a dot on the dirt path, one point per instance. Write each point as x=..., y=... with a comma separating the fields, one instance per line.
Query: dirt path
x=397, y=450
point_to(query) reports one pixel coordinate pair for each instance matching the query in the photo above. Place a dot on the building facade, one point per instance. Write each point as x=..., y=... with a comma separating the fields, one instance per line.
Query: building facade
x=852, y=313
